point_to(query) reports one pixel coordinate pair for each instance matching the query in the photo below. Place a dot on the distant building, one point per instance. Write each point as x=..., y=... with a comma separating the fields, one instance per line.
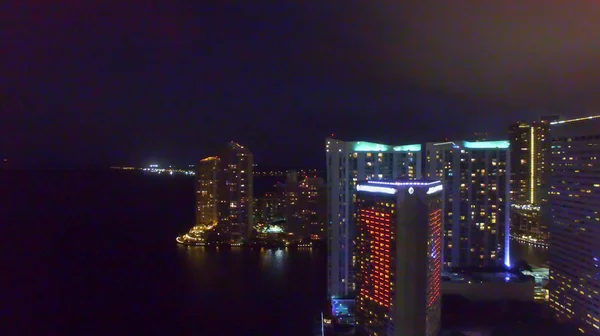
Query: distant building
x=347, y=163
x=476, y=178
x=269, y=207
x=574, y=205
x=224, y=191
x=314, y=195
x=305, y=205
x=206, y=191
x=530, y=145
x=398, y=257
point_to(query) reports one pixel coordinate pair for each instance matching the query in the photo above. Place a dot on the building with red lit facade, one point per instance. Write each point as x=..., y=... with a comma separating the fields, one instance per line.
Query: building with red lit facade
x=398, y=257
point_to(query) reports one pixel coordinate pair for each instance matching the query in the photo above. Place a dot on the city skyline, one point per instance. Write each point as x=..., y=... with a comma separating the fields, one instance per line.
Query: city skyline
x=414, y=168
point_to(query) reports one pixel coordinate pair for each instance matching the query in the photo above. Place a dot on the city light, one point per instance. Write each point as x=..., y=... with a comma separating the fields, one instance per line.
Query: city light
x=408, y=183
x=532, y=166
x=275, y=229
x=376, y=189
x=435, y=240
x=487, y=144
x=433, y=190
x=210, y=158
x=526, y=207
x=408, y=148
x=154, y=169
x=444, y=143
x=363, y=146
x=572, y=120
x=375, y=251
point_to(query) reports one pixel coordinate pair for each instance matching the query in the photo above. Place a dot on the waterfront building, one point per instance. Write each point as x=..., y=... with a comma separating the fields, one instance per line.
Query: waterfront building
x=347, y=163
x=269, y=207
x=313, y=207
x=304, y=204
x=206, y=191
x=398, y=257
x=574, y=205
x=224, y=191
x=476, y=206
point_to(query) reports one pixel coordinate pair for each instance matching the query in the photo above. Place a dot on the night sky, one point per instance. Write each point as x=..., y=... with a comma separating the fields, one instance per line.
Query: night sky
x=99, y=83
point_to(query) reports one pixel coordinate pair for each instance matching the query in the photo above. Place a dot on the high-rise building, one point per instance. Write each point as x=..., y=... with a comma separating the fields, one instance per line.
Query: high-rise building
x=206, y=192
x=305, y=205
x=314, y=201
x=293, y=208
x=476, y=179
x=530, y=144
x=398, y=257
x=224, y=193
x=574, y=205
x=269, y=207
x=347, y=163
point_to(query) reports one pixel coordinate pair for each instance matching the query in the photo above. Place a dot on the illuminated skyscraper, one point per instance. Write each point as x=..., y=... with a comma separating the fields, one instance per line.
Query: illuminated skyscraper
x=574, y=205
x=305, y=205
x=206, y=191
x=235, y=190
x=398, y=257
x=476, y=200
x=347, y=163
x=530, y=144
x=224, y=191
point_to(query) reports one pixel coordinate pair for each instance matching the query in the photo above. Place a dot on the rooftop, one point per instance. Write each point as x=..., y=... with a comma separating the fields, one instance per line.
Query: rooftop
x=365, y=146
x=501, y=144
x=392, y=187
x=477, y=275
x=499, y=318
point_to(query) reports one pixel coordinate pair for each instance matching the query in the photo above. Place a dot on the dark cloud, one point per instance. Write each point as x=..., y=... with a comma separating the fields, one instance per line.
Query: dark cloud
x=172, y=81
x=530, y=52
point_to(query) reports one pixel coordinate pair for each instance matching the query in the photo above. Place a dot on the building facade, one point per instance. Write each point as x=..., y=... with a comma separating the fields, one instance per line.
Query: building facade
x=347, y=163
x=224, y=191
x=398, y=257
x=574, y=205
x=476, y=207
x=206, y=192
x=269, y=207
x=313, y=207
x=530, y=148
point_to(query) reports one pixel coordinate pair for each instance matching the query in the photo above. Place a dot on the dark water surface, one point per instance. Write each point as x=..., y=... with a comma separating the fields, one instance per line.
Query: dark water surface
x=93, y=253
x=535, y=256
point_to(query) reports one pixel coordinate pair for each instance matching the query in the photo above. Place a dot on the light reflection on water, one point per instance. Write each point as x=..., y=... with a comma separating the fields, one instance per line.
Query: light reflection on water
x=533, y=255
x=236, y=281
x=273, y=261
x=218, y=267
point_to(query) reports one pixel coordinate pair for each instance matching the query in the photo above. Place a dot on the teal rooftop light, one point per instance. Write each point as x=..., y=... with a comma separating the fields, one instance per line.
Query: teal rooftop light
x=363, y=146
x=407, y=148
x=503, y=144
